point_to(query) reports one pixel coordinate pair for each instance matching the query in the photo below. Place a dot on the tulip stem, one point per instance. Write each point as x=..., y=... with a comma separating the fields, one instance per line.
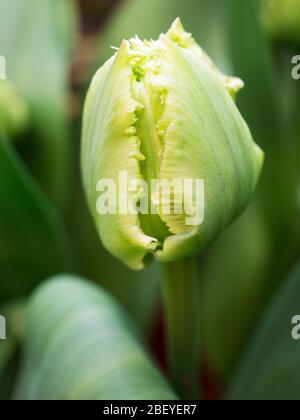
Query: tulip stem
x=181, y=295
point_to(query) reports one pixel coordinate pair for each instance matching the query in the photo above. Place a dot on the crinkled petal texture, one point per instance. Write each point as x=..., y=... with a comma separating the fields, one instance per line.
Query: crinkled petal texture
x=161, y=110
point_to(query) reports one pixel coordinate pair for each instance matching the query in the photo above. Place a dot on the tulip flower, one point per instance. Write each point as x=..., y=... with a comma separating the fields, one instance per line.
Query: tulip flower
x=168, y=162
x=161, y=110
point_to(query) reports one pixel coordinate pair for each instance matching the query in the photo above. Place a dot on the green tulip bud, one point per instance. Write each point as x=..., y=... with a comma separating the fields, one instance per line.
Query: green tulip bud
x=14, y=114
x=161, y=110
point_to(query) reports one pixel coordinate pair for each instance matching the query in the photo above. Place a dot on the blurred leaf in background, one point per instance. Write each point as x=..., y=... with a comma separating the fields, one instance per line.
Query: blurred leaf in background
x=236, y=272
x=262, y=103
x=234, y=289
x=282, y=20
x=36, y=39
x=149, y=18
x=247, y=265
x=33, y=243
x=81, y=345
x=14, y=113
x=270, y=368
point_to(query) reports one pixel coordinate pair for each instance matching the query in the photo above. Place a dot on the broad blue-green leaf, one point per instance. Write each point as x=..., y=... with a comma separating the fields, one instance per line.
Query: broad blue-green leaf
x=35, y=39
x=81, y=345
x=270, y=368
x=32, y=240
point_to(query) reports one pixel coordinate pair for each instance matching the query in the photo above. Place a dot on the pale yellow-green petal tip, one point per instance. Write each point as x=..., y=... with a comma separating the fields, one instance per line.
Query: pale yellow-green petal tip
x=233, y=85
x=260, y=158
x=184, y=39
x=178, y=34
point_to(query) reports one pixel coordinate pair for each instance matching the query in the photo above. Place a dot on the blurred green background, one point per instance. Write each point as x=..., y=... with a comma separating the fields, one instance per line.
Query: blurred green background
x=52, y=48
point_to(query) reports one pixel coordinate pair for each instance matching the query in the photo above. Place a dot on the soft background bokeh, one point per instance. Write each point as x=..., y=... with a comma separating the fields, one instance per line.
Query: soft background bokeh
x=52, y=49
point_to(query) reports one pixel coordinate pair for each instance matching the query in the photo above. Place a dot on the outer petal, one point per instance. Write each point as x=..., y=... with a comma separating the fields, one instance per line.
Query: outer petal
x=185, y=40
x=206, y=138
x=109, y=145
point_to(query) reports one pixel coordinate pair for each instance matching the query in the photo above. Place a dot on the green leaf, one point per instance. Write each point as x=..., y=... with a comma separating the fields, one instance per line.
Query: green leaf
x=33, y=243
x=81, y=345
x=136, y=291
x=252, y=61
x=234, y=281
x=282, y=20
x=270, y=368
x=35, y=39
x=262, y=104
x=14, y=115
